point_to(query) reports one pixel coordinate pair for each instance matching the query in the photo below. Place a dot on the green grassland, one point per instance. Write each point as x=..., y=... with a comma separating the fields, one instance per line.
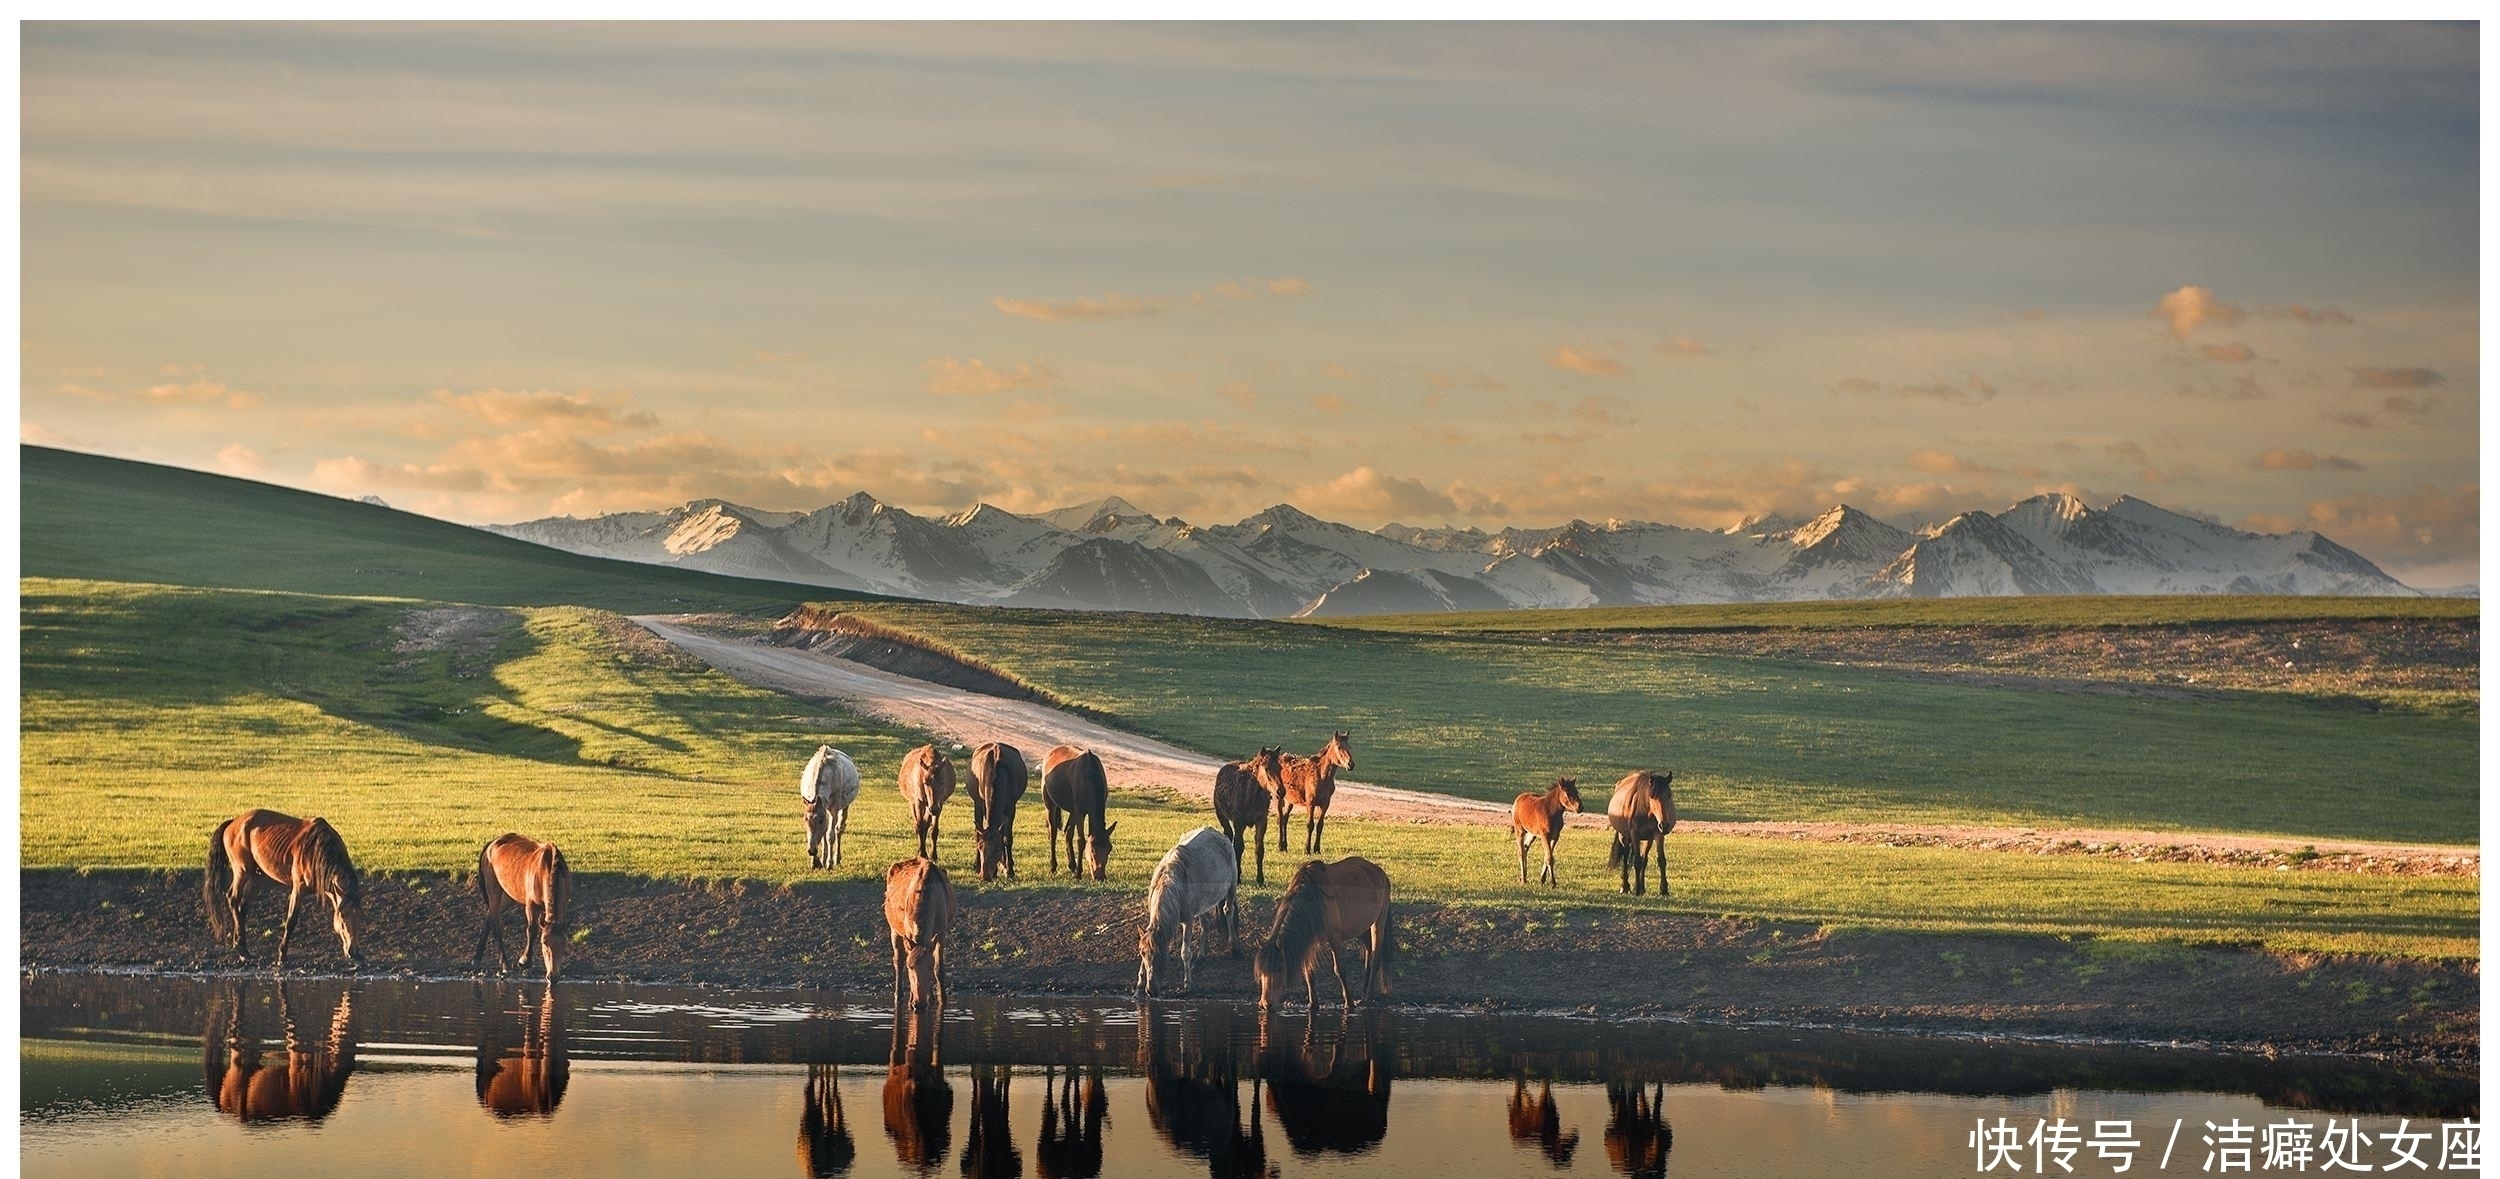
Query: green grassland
x=2045, y=611
x=150, y=712
x=1750, y=739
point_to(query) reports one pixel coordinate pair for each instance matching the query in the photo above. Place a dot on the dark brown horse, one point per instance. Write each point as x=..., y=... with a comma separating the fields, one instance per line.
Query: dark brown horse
x=1535, y=817
x=1325, y=905
x=998, y=782
x=1309, y=783
x=1641, y=813
x=299, y=855
x=304, y=1086
x=1535, y=1124
x=1074, y=788
x=927, y=780
x=528, y=1080
x=825, y=1147
x=1638, y=1136
x=919, y=1104
x=516, y=870
x=1243, y=791
x=919, y=909
x=1071, y=1141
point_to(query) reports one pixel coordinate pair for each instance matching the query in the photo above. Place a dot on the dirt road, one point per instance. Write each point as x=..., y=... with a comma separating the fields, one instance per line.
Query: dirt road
x=1134, y=761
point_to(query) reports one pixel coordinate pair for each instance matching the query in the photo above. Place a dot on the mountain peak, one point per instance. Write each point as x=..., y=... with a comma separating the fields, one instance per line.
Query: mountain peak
x=1283, y=516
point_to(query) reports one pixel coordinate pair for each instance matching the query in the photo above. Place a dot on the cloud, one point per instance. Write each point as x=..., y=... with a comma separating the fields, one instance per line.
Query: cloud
x=1116, y=306
x=2412, y=407
x=1609, y=412
x=238, y=459
x=2351, y=417
x=2146, y=470
x=1937, y=462
x=541, y=406
x=1286, y=288
x=1439, y=379
x=1971, y=390
x=2191, y=307
x=1239, y=393
x=1683, y=346
x=200, y=392
x=1364, y=494
x=1331, y=404
x=2228, y=353
x=2427, y=526
x=2304, y=460
x=2395, y=378
x=38, y=434
x=2234, y=389
x=2311, y=316
x=949, y=377
x=1585, y=360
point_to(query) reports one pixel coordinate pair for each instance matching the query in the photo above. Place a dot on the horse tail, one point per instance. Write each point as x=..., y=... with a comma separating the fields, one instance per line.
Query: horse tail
x=1614, y=850
x=215, y=882
x=1383, y=942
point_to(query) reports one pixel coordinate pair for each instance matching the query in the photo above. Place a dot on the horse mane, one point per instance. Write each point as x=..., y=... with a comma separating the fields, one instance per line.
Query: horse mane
x=327, y=865
x=1301, y=916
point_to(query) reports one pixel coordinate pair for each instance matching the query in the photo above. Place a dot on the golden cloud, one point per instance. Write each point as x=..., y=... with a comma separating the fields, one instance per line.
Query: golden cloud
x=2304, y=460
x=2228, y=353
x=1585, y=360
x=2192, y=307
x=2395, y=378
x=949, y=377
x=1683, y=346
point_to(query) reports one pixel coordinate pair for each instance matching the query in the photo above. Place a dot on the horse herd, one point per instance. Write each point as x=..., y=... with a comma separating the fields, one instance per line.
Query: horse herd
x=1193, y=893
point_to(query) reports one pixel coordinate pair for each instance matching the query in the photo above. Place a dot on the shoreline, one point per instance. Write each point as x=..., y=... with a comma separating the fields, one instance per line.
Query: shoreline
x=1466, y=959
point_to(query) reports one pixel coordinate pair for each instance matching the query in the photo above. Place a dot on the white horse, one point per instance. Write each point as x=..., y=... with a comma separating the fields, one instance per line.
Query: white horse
x=828, y=787
x=1199, y=878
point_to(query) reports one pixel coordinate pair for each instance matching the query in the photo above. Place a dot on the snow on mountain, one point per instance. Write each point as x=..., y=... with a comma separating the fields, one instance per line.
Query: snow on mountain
x=1284, y=561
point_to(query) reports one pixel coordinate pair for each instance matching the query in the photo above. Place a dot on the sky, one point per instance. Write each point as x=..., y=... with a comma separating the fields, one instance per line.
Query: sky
x=1434, y=274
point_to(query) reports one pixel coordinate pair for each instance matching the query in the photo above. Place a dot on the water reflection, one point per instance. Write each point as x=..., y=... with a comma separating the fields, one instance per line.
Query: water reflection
x=1332, y=1097
x=305, y=1083
x=919, y=1103
x=1637, y=1135
x=1071, y=1142
x=523, y=1079
x=989, y=1146
x=1536, y=1124
x=825, y=1147
x=1193, y=1090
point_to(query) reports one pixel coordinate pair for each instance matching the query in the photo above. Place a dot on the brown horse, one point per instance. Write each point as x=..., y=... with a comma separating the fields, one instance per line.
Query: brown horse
x=1309, y=782
x=299, y=855
x=527, y=1081
x=998, y=782
x=919, y=909
x=1243, y=790
x=825, y=1147
x=927, y=780
x=305, y=1086
x=919, y=1104
x=1641, y=813
x=1327, y=904
x=517, y=870
x=1536, y=1124
x=1536, y=817
x=1074, y=788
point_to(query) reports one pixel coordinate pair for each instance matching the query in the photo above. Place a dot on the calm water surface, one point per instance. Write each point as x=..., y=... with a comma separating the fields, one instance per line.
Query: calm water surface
x=182, y=1077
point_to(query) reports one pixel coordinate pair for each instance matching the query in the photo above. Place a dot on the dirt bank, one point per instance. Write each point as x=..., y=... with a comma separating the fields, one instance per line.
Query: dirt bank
x=1521, y=958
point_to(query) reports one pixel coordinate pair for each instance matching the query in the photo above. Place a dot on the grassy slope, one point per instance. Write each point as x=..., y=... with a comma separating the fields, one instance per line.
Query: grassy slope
x=2017, y=612
x=87, y=516
x=151, y=712
x=1750, y=739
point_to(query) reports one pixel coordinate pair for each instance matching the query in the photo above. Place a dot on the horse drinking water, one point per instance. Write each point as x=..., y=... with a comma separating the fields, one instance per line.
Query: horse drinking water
x=517, y=870
x=1197, y=880
x=300, y=855
x=1327, y=904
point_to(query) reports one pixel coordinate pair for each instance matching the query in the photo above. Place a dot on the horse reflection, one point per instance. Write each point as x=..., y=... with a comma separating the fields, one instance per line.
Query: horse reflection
x=1193, y=1093
x=918, y=1101
x=989, y=1147
x=1536, y=1124
x=1071, y=1143
x=524, y=1079
x=306, y=1085
x=825, y=1148
x=1340, y=1106
x=1637, y=1134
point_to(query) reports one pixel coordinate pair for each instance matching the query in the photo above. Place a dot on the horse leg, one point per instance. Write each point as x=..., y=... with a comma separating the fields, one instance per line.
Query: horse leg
x=937, y=967
x=1262, y=849
x=1522, y=837
x=1315, y=825
x=1336, y=963
x=1284, y=823
x=1052, y=809
x=237, y=894
x=895, y=943
x=286, y=928
x=1548, y=876
x=1662, y=867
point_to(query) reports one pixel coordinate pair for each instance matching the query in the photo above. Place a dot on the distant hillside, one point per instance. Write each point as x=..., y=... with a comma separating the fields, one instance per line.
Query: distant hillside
x=87, y=516
x=1284, y=562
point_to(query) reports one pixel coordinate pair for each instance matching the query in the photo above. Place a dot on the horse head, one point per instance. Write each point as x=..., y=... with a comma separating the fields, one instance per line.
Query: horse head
x=1339, y=753
x=989, y=850
x=1152, y=942
x=1568, y=789
x=1267, y=966
x=1098, y=850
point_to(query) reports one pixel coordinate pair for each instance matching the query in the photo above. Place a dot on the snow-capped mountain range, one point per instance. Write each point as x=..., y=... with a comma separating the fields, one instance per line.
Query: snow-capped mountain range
x=1284, y=562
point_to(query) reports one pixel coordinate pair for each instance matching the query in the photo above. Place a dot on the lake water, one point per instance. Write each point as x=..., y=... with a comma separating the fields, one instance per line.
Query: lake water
x=191, y=1077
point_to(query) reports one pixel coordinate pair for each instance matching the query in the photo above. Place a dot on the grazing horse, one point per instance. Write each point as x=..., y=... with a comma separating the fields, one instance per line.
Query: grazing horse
x=305, y=1086
x=827, y=787
x=517, y=870
x=919, y=1104
x=1536, y=817
x=1535, y=1124
x=1243, y=790
x=927, y=780
x=1074, y=788
x=300, y=855
x=919, y=908
x=1071, y=1142
x=1326, y=904
x=528, y=1081
x=1638, y=1136
x=1641, y=812
x=998, y=781
x=1196, y=880
x=1309, y=782
x=825, y=1147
